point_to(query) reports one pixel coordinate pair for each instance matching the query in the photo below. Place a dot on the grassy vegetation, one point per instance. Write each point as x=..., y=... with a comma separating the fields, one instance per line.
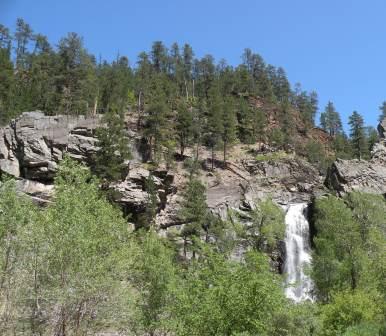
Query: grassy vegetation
x=274, y=156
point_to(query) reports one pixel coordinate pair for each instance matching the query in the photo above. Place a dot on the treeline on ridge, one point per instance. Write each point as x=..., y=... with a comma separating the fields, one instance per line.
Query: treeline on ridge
x=180, y=99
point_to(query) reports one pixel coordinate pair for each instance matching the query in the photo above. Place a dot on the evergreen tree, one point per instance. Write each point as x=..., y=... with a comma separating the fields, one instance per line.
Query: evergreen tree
x=6, y=76
x=281, y=86
x=151, y=202
x=372, y=137
x=115, y=81
x=188, y=59
x=382, y=108
x=156, y=129
x=357, y=134
x=184, y=125
x=228, y=133
x=113, y=146
x=23, y=36
x=199, y=124
x=77, y=80
x=215, y=123
x=330, y=120
x=159, y=57
x=194, y=212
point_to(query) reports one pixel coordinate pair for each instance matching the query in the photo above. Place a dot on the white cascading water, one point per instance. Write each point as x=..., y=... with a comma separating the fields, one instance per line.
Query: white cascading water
x=298, y=253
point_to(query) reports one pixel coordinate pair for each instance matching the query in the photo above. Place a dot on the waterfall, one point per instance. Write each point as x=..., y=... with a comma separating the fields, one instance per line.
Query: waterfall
x=298, y=257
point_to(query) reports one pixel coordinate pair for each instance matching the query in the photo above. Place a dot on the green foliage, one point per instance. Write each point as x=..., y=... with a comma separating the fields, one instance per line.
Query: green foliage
x=193, y=213
x=267, y=227
x=16, y=215
x=82, y=235
x=316, y=154
x=219, y=297
x=177, y=98
x=184, y=125
x=330, y=120
x=372, y=137
x=146, y=219
x=335, y=263
x=228, y=134
x=60, y=270
x=251, y=123
x=350, y=312
x=358, y=136
x=277, y=137
x=342, y=147
x=154, y=276
x=114, y=147
x=382, y=108
x=72, y=269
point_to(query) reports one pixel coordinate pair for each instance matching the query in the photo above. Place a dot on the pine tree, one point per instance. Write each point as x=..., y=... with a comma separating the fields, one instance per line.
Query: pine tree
x=7, y=79
x=382, y=108
x=77, y=76
x=215, y=122
x=151, y=203
x=184, y=125
x=372, y=136
x=156, y=129
x=281, y=86
x=23, y=36
x=330, y=120
x=228, y=133
x=194, y=211
x=114, y=146
x=357, y=134
x=159, y=57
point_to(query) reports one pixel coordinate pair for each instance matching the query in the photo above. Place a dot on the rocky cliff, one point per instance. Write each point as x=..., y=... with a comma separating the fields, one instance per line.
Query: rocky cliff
x=32, y=146
x=360, y=175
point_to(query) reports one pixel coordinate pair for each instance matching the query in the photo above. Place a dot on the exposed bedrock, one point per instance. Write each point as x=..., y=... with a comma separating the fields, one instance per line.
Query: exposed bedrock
x=359, y=175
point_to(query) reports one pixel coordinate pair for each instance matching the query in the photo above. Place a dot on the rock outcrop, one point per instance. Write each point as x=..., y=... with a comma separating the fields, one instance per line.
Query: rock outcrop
x=359, y=175
x=382, y=129
x=33, y=144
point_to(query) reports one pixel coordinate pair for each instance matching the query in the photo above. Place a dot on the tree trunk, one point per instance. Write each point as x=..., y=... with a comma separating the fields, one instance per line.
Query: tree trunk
x=139, y=109
x=182, y=148
x=212, y=158
x=94, y=112
x=193, y=88
x=186, y=90
x=225, y=153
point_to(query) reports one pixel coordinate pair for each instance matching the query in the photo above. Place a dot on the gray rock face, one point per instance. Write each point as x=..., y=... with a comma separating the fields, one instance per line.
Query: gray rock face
x=33, y=144
x=382, y=129
x=358, y=175
x=8, y=145
x=40, y=142
x=39, y=192
x=132, y=193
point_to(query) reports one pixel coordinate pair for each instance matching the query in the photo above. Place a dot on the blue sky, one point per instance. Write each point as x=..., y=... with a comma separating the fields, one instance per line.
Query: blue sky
x=336, y=47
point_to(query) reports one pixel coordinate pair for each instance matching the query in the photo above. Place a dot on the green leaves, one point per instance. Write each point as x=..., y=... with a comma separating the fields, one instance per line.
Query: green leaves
x=113, y=146
x=220, y=297
x=349, y=262
x=62, y=260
